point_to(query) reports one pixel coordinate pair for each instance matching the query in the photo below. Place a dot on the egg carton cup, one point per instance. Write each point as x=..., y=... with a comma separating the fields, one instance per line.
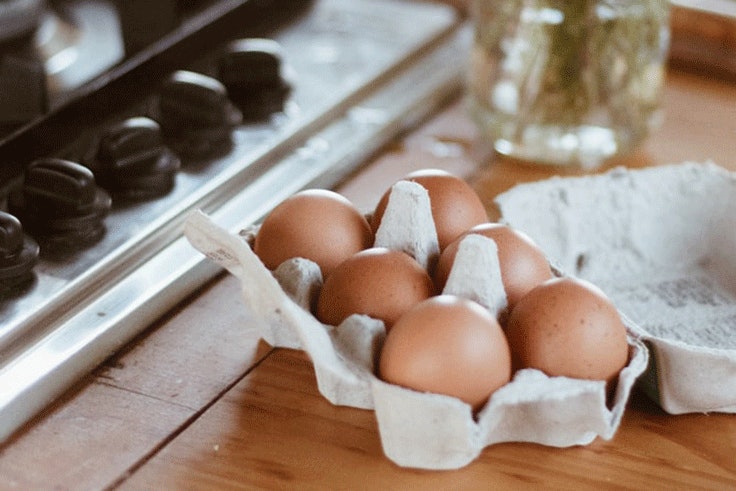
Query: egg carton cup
x=418, y=430
x=661, y=242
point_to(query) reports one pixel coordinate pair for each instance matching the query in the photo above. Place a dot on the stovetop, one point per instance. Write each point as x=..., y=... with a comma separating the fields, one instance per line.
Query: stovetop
x=349, y=76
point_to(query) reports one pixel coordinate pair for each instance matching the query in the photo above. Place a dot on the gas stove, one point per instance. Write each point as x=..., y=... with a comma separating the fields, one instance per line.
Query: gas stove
x=223, y=106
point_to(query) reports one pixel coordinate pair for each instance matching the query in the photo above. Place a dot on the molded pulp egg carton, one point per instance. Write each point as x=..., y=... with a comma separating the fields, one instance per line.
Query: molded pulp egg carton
x=661, y=242
x=420, y=430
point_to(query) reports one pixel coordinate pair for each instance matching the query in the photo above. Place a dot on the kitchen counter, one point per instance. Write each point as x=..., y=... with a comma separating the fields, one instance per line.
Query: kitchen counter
x=199, y=402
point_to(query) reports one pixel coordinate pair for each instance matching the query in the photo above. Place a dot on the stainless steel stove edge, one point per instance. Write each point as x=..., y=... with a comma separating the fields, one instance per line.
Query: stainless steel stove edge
x=44, y=370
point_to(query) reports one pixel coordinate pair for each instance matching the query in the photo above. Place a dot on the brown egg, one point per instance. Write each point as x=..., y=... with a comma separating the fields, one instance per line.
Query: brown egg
x=447, y=345
x=456, y=206
x=315, y=224
x=379, y=282
x=523, y=264
x=568, y=327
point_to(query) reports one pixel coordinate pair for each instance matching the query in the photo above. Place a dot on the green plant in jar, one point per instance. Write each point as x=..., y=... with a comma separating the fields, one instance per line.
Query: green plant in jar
x=568, y=81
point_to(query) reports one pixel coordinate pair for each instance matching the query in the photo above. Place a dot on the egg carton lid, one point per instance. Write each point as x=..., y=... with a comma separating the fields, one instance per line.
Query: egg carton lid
x=660, y=242
x=419, y=430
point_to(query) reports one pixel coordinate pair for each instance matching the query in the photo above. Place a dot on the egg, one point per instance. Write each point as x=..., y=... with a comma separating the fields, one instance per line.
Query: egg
x=379, y=282
x=447, y=345
x=568, y=327
x=523, y=264
x=316, y=224
x=455, y=205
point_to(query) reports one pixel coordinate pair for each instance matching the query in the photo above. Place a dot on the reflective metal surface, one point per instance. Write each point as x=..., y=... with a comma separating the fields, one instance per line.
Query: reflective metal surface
x=362, y=71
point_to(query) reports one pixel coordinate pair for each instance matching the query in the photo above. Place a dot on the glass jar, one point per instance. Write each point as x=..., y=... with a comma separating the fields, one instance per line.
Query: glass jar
x=568, y=82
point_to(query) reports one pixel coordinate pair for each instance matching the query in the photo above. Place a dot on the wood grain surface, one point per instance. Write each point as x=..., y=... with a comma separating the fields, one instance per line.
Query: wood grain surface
x=704, y=36
x=199, y=402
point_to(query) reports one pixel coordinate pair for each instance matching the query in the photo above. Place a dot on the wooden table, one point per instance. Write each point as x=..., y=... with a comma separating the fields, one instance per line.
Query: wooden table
x=198, y=402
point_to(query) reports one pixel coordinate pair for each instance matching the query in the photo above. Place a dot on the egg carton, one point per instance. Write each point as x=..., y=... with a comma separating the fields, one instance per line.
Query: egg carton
x=661, y=242
x=418, y=430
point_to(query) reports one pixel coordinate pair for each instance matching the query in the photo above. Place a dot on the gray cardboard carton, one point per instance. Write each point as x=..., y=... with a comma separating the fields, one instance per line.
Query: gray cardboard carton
x=661, y=242
x=419, y=430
